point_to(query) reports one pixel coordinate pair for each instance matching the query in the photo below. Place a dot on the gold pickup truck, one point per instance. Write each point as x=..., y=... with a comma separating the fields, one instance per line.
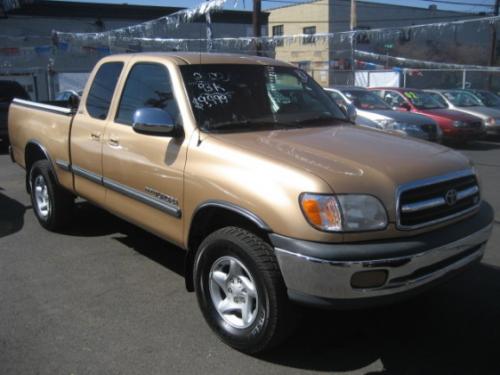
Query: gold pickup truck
x=247, y=164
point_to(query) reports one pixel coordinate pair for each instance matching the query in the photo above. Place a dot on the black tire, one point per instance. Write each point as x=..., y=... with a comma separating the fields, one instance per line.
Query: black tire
x=61, y=202
x=275, y=317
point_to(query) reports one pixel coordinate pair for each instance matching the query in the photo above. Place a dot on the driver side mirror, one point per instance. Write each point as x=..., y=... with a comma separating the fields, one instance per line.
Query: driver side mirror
x=154, y=121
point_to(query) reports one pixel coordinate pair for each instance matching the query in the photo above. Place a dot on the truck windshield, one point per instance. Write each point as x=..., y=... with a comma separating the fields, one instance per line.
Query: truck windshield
x=365, y=100
x=238, y=97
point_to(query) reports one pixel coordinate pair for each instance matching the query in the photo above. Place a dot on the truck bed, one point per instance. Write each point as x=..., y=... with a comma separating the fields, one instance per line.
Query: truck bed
x=47, y=125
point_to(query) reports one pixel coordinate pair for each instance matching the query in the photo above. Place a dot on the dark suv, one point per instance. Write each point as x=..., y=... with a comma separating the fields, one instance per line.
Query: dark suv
x=8, y=91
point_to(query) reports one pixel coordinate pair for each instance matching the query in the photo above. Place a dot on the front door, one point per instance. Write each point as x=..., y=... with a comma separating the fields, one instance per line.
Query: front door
x=143, y=174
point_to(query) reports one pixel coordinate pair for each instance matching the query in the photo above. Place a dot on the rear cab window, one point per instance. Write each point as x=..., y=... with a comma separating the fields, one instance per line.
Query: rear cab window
x=102, y=89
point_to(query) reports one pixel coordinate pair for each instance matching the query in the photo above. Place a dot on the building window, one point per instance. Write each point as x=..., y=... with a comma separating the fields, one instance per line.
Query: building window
x=278, y=31
x=309, y=34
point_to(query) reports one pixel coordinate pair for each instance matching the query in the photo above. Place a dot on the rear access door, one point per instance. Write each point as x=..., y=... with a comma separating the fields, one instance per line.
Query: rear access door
x=88, y=131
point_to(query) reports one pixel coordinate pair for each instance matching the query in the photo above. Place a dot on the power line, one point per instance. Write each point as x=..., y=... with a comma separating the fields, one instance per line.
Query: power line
x=373, y=5
x=380, y=19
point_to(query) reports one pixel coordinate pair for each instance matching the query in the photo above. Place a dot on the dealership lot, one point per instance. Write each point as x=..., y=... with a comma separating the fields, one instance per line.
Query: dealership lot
x=108, y=298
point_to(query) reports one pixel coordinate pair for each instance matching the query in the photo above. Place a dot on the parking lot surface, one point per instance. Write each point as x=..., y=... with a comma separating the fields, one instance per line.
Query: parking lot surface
x=108, y=298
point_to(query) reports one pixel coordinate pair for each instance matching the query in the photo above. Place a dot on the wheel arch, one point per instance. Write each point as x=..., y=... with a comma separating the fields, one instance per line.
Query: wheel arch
x=213, y=215
x=33, y=152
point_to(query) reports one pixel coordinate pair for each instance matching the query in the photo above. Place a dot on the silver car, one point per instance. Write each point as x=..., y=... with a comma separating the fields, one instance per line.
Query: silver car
x=464, y=101
x=373, y=112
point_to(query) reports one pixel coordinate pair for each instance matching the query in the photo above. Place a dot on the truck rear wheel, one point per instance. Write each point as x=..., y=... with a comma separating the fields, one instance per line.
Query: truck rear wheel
x=51, y=203
x=240, y=290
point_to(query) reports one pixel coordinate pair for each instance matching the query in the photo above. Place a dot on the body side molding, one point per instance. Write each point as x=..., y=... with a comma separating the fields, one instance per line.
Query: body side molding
x=143, y=198
x=87, y=174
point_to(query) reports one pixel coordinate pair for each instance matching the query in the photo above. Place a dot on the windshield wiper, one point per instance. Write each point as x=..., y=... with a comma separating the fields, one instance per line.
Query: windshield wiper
x=245, y=125
x=319, y=119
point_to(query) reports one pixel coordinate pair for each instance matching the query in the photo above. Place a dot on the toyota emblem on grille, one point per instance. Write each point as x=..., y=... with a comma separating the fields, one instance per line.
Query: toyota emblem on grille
x=451, y=197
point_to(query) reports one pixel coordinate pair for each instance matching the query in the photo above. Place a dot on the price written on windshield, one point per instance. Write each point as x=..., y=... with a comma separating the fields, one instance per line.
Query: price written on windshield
x=211, y=92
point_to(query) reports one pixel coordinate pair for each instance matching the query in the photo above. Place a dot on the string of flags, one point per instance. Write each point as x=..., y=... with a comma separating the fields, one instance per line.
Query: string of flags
x=150, y=36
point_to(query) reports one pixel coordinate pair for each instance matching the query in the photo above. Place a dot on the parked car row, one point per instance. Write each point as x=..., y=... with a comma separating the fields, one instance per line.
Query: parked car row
x=435, y=115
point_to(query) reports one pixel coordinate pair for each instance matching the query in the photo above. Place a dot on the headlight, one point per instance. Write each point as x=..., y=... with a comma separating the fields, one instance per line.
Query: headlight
x=406, y=127
x=459, y=124
x=384, y=123
x=343, y=213
x=490, y=121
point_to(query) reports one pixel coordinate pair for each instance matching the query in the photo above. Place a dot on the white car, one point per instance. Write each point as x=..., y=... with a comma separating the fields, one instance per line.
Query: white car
x=373, y=112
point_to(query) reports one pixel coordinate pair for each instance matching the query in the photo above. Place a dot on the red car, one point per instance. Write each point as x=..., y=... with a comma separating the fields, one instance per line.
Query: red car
x=456, y=126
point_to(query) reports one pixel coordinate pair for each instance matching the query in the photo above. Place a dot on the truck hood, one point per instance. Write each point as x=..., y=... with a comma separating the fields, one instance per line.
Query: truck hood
x=352, y=158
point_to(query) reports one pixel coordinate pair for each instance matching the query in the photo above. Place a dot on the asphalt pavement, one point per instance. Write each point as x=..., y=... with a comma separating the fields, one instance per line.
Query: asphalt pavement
x=108, y=298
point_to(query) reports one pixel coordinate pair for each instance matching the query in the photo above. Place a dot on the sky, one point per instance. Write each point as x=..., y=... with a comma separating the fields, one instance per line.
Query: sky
x=472, y=6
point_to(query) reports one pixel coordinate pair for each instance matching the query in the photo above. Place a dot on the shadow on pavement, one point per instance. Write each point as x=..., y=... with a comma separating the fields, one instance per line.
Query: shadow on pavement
x=156, y=249
x=482, y=145
x=11, y=215
x=92, y=221
x=454, y=329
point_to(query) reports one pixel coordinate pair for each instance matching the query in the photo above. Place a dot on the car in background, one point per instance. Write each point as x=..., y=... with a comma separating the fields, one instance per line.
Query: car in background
x=488, y=98
x=8, y=91
x=456, y=126
x=373, y=112
x=467, y=102
x=67, y=95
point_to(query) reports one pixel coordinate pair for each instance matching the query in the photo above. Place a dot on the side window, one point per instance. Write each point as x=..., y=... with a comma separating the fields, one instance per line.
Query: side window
x=337, y=98
x=102, y=89
x=393, y=99
x=148, y=85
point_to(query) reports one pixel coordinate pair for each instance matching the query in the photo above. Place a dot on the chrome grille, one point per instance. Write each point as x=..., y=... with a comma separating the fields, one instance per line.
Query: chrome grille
x=475, y=124
x=437, y=199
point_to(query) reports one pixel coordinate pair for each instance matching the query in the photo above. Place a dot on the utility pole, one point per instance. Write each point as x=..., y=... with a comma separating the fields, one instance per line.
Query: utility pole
x=493, y=51
x=353, y=25
x=493, y=54
x=256, y=24
x=354, y=16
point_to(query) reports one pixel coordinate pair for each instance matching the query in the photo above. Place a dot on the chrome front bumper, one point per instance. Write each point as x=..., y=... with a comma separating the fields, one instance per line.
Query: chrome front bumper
x=329, y=279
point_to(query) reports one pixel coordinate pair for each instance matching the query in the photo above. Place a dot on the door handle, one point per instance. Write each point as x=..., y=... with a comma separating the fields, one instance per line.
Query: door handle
x=95, y=136
x=114, y=142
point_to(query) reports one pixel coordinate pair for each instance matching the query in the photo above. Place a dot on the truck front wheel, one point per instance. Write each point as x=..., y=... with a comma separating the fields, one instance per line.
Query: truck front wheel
x=240, y=290
x=51, y=203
